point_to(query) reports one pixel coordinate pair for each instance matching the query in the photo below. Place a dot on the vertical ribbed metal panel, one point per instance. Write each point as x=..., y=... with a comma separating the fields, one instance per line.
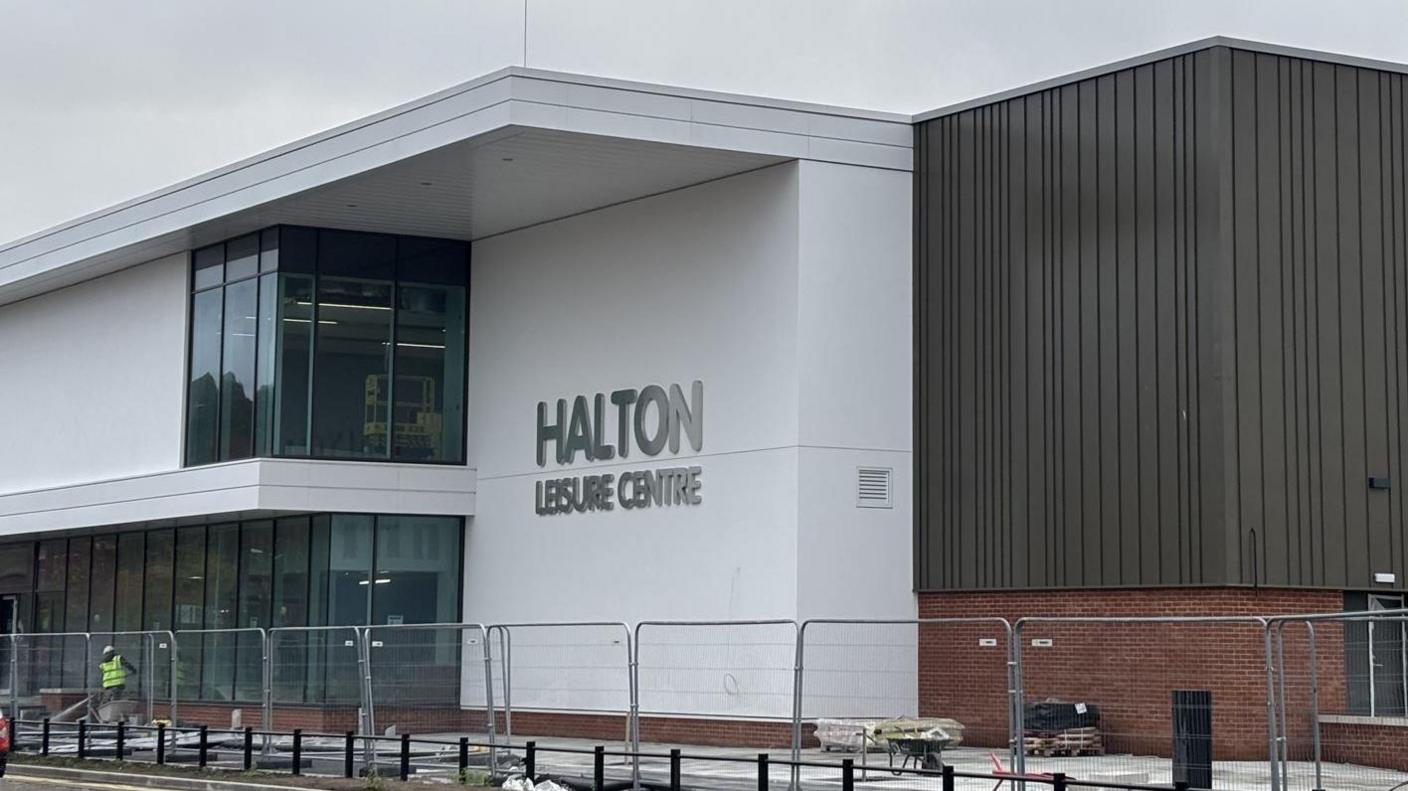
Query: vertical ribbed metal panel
x=1160, y=329
x=1319, y=262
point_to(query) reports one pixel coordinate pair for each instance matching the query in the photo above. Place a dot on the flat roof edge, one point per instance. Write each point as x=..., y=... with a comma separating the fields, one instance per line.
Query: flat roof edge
x=1158, y=55
x=448, y=93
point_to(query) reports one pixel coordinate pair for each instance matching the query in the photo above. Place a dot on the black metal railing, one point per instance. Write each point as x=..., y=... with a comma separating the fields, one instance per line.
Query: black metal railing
x=115, y=742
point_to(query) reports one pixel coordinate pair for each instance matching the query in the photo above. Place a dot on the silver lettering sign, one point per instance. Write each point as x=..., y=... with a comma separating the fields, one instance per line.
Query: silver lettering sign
x=646, y=422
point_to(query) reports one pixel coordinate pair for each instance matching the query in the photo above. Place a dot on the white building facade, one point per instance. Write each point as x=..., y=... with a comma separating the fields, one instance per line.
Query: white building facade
x=716, y=289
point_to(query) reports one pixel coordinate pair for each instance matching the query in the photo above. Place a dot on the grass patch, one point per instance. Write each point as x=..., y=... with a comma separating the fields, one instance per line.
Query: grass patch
x=377, y=782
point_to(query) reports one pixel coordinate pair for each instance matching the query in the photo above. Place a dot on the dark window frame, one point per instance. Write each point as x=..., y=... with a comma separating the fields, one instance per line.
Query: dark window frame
x=278, y=269
x=205, y=525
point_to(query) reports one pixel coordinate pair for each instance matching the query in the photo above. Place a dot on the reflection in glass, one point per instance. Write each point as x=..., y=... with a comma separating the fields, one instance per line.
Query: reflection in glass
x=255, y=596
x=203, y=396
x=157, y=600
x=104, y=581
x=157, y=605
x=208, y=267
x=326, y=343
x=189, y=611
x=349, y=598
x=131, y=555
x=237, y=381
x=293, y=362
x=80, y=553
x=262, y=574
x=353, y=361
x=266, y=365
x=218, y=663
x=241, y=257
x=290, y=606
x=429, y=378
x=80, y=556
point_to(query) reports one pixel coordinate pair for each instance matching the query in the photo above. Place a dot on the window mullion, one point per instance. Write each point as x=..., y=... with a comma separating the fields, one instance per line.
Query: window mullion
x=391, y=376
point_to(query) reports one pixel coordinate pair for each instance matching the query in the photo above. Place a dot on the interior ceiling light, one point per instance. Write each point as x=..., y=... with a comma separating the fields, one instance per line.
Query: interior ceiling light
x=347, y=305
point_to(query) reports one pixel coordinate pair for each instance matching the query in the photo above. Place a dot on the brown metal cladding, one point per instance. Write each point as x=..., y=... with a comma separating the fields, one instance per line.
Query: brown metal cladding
x=1162, y=329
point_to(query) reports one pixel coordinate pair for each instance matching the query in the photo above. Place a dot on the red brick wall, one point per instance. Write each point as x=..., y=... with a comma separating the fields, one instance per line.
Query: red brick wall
x=605, y=727
x=1129, y=671
x=1364, y=744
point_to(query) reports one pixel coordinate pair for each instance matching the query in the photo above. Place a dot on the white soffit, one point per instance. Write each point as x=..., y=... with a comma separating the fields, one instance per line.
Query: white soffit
x=512, y=149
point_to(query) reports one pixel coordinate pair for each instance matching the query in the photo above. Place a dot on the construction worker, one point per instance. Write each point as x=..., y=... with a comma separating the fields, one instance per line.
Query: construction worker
x=115, y=669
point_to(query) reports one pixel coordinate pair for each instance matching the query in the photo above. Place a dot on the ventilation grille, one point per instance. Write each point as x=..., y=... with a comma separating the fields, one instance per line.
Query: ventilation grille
x=873, y=489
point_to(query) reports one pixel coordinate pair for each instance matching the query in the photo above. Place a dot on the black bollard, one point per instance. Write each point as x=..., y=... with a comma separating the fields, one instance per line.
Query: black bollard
x=160, y=743
x=350, y=747
x=298, y=751
x=248, y=748
x=598, y=768
x=204, y=745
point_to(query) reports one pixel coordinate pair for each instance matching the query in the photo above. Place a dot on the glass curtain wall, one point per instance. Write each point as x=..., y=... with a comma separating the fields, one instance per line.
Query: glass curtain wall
x=322, y=570
x=327, y=344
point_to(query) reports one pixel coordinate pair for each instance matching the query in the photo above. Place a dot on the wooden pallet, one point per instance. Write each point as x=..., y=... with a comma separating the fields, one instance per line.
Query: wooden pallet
x=1071, y=742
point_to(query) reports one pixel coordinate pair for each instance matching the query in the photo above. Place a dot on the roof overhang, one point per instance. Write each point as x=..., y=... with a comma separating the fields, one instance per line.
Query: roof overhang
x=249, y=486
x=509, y=150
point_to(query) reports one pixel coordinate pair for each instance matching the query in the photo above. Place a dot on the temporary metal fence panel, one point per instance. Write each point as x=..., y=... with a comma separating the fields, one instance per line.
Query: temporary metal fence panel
x=1152, y=700
x=215, y=662
x=1340, y=682
x=549, y=675
x=718, y=683
x=50, y=674
x=856, y=674
x=319, y=665
x=418, y=675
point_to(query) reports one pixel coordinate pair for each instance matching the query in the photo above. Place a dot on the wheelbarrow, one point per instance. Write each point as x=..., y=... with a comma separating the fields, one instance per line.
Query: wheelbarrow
x=923, y=751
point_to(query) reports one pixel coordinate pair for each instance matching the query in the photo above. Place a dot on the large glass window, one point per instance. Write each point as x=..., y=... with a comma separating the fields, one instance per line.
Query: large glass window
x=127, y=603
x=328, y=344
x=189, y=610
x=237, y=370
x=320, y=570
x=159, y=568
x=353, y=363
x=255, y=598
x=156, y=605
x=293, y=365
x=417, y=570
x=203, y=395
x=80, y=556
x=80, y=559
x=51, y=571
x=221, y=569
x=104, y=580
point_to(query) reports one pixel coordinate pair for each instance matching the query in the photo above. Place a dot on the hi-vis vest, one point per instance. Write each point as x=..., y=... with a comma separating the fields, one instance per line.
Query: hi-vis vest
x=114, y=674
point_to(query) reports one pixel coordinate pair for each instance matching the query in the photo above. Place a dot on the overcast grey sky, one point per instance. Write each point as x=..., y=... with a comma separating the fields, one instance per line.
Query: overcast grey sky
x=101, y=101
